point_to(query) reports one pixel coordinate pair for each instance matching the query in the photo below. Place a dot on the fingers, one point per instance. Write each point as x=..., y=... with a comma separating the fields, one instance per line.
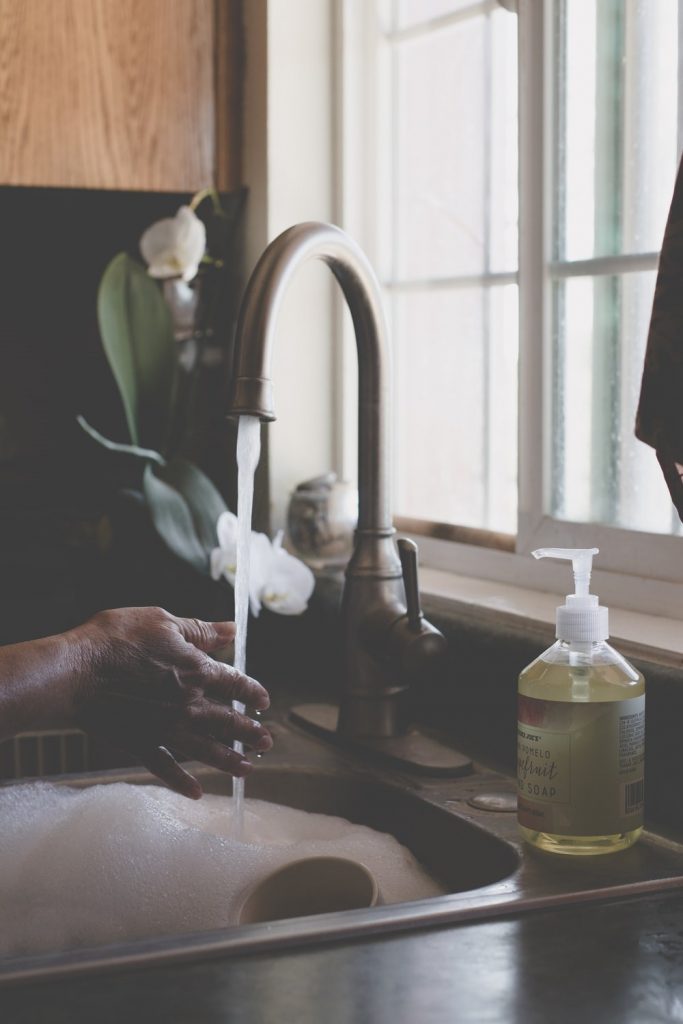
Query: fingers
x=199, y=732
x=207, y=636
x=225, y=682
x=213, y=753
x=219, y=722
x=160, y=762
x=208, y=729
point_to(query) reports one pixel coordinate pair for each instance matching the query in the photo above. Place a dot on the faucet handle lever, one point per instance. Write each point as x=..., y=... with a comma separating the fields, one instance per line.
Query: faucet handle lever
x=407, y=550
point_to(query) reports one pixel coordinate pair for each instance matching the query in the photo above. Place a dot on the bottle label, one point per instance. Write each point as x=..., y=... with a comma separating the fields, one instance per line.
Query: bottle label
x=580, y=766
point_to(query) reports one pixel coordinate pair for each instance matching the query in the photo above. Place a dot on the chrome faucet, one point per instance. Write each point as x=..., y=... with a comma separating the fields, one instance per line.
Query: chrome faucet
x=386, y=640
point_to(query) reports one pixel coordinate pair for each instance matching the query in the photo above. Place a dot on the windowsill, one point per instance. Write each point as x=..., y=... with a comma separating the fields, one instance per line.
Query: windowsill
x=642, y=637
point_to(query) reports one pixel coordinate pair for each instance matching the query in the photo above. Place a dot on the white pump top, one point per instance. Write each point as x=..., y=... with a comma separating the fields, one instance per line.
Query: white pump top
x=581, y=619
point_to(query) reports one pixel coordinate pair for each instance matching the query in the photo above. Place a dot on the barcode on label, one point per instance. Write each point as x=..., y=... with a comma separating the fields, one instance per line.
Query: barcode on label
x=633, y=796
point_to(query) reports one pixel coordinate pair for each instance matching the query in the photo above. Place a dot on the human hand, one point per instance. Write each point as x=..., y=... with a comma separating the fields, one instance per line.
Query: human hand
x=147, y=684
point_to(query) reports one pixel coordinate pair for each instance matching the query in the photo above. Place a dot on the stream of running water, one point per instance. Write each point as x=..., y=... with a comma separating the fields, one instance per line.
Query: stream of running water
x=248, y=452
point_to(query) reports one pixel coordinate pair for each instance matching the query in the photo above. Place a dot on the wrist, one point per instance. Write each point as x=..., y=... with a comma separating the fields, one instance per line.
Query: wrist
x=41, y=681
x=82, y=656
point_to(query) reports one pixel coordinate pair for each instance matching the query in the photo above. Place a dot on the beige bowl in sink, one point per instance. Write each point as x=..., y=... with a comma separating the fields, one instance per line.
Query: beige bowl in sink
x=313, y=885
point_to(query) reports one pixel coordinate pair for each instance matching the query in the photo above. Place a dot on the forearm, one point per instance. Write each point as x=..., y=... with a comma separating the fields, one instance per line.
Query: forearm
x=38, y=681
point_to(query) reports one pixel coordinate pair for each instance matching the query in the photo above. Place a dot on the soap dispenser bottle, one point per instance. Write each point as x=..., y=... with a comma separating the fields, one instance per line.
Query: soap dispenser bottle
x=581, y=732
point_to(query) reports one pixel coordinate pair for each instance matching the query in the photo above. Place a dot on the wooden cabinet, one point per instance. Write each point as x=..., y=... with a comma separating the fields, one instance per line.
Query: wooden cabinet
x=120, y=94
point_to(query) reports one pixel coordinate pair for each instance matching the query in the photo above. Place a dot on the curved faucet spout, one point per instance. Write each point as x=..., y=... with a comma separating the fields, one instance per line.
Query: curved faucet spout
x=253, y=389
x=373, y=605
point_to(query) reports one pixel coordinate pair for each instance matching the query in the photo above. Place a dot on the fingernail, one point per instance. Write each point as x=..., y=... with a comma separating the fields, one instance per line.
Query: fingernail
x=265, y=743
x=262, y=702
x=243, y=768
x=226, y=629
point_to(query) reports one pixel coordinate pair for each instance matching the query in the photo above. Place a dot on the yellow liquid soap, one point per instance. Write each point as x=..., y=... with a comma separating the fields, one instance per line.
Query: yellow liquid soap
x=581, y=750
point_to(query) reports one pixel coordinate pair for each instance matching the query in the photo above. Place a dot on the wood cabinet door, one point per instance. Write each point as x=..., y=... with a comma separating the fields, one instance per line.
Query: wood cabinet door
x=117, y=94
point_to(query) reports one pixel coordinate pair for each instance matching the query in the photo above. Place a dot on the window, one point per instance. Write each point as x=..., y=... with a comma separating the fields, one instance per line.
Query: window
x=514, y=212
x=445, y=210
x=614, y=145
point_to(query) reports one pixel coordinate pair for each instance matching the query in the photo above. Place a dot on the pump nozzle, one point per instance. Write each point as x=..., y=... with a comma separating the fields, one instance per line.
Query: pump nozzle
x=582, y=564
x=580, y=618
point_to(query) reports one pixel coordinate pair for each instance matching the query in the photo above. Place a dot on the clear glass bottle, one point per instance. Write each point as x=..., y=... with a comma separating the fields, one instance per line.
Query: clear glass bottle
x=581, y=724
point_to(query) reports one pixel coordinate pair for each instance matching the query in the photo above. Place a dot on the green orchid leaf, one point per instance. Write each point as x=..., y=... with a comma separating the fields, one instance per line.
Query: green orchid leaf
x=185, y=507
x=115, y=446
x=173, y=520
x=137, y=335
x=201, y=497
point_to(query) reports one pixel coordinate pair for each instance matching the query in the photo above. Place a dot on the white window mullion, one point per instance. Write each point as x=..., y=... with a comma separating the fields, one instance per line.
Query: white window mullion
x=422, y=28
x=462, y=281
x=488, y=464
x=622, y=263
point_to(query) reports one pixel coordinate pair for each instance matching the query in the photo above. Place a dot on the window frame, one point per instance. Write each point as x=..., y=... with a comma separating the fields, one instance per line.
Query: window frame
x=636, y=570
x=652, y=555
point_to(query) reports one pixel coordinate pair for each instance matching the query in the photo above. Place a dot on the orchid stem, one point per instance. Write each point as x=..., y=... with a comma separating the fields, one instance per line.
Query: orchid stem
x=206, y=193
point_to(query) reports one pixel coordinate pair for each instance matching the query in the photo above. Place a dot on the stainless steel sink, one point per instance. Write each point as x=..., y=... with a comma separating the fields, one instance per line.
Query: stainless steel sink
x=473, y=852
x=458, y=854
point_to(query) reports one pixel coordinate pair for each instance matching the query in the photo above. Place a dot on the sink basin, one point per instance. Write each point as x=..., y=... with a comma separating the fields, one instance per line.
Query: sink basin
x=474, y=853
x=458, y=854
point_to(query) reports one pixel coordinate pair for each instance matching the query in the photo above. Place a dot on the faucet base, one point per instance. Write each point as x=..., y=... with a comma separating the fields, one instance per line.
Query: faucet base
x=414, y=750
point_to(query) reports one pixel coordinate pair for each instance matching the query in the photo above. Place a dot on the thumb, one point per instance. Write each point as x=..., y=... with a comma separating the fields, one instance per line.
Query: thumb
x=207, y=636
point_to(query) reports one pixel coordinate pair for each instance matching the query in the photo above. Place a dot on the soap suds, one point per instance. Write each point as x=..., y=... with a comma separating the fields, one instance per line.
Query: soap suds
x=117, y=862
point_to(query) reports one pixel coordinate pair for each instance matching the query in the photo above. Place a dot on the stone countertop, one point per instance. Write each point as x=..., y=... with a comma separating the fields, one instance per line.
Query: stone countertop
x=611, y=963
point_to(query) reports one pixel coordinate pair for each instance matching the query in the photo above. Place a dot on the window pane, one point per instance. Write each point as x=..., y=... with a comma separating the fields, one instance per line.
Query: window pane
x=415, y=12
x=455, y=201
x=456, y=409
x=601, y=473
x=616, y=110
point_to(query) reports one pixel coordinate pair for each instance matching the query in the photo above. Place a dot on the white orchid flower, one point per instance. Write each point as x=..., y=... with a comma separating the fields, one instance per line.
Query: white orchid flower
x=290, y=583
x=226, y=531
x=260, y=558
x=224, y=558
x=174, y=246
x=276, y=579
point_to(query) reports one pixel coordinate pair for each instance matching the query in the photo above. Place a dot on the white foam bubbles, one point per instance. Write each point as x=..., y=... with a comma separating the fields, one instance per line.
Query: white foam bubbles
x=116, y=862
